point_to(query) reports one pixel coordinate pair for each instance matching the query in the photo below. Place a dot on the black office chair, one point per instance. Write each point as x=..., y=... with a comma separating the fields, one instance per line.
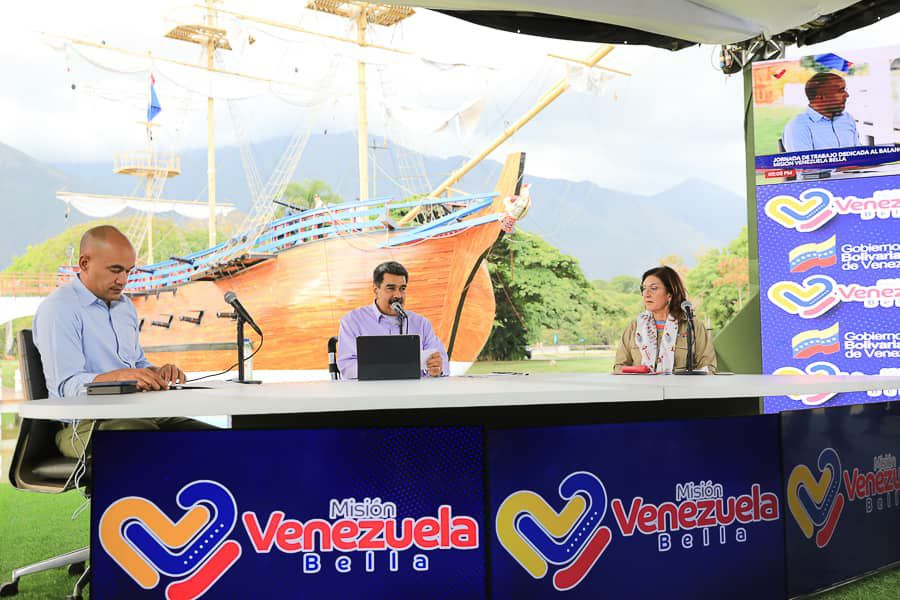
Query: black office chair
x=332, y=358
x=38, y=466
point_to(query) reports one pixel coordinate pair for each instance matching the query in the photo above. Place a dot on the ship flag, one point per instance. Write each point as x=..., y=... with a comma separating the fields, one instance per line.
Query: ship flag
x=154, y=108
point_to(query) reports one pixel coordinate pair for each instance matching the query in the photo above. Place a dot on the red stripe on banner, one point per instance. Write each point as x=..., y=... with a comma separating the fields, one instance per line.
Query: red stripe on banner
x=818, y=349
x=199, y=583
x=824, y=535
x=566, y=579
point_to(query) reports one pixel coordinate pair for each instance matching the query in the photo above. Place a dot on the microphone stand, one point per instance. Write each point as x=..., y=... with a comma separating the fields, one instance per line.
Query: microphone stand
x=240, y=347
x=690, y=346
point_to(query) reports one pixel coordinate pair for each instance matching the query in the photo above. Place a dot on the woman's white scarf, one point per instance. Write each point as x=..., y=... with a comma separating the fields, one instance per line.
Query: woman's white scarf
x=662, y=359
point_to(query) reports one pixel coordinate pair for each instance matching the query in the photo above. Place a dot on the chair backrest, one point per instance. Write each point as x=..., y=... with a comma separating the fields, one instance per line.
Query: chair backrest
x=37, y=463
x=33, y=383
x=332, y=358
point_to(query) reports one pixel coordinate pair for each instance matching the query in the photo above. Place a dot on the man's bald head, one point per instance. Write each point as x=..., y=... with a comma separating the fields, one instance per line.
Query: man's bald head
x=106, y=257
x=101, y=235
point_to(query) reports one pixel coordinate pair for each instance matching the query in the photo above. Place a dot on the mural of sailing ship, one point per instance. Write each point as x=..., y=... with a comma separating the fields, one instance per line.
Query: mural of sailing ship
x=299, y=273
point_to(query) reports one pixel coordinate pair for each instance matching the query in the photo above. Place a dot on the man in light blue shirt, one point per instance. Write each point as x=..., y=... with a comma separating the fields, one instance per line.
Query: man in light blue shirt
x=379, y=318
x=87, y=331
x=824, y=124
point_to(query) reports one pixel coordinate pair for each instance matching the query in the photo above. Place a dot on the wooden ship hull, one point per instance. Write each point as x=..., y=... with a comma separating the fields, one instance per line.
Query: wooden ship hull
x=298, y=297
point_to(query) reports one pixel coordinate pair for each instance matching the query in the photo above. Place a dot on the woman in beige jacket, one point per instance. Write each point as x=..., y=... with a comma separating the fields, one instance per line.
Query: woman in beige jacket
x=657, y=338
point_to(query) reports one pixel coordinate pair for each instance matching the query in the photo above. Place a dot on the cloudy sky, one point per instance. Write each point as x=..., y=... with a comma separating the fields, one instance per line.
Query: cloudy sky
x=676, y=118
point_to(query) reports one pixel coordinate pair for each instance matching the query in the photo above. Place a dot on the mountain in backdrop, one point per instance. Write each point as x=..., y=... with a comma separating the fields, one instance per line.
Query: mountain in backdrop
x=30, y=211
x=611, y=232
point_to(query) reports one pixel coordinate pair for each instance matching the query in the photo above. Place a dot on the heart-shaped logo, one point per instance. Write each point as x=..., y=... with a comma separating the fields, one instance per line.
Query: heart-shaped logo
x=142, y=540
x=817, y=368
x=812, y=298
x=817, y=502
x=535, y=534
x=810, y=211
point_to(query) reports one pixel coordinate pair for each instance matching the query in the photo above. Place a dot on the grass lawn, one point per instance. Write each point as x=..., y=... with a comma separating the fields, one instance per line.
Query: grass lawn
x=34, y=527
x=768, y=126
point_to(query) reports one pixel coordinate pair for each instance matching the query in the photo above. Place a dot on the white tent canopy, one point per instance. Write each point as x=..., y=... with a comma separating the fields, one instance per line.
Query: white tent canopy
x=709, y=21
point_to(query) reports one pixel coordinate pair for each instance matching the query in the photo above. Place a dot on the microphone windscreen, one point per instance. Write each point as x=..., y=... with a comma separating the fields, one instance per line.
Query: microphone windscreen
x=230, y=297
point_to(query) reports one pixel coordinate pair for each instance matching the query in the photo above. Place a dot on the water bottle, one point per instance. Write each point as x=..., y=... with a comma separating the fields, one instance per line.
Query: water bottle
x=248, y=362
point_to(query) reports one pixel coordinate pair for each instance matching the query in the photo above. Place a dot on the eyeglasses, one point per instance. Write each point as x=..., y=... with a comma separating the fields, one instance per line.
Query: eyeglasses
x=650, y=288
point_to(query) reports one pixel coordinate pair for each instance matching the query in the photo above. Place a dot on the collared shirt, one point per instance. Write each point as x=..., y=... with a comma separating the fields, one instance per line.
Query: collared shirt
x=80, y=337
x=368, y=320
x=811, y=130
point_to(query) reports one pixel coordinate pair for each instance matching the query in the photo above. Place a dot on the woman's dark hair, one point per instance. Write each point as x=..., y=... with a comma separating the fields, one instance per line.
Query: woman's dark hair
x=674, y=285
x=392, y=267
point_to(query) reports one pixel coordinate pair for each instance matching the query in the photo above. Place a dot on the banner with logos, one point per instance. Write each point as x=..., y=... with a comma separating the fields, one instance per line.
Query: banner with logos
x=829, y=271
x=842, y=493
x=828, y=213
x=677, y=509
x=366, y=513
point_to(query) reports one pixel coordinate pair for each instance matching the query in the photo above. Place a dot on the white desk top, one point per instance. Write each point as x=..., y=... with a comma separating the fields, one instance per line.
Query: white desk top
x=450, y=392
x=676, y=387
x=328, y=396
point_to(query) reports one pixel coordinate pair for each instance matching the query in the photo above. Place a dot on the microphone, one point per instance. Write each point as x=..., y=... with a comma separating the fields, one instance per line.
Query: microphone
x=688, y=309
x=231, y=298
x=398, y=308
x=332, y=358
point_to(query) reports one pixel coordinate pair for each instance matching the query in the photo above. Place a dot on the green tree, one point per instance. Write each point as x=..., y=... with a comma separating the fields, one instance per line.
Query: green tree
x=626, y=284
x=539, y=291
x=720, y=283
x=171, y=238
x=302, y=193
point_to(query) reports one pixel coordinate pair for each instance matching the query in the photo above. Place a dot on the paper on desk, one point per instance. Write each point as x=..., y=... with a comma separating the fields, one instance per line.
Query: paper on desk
x=425, y=354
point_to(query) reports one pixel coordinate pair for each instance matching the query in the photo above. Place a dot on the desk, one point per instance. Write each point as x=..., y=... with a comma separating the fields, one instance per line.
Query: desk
x=500, y=457
x=520, y=400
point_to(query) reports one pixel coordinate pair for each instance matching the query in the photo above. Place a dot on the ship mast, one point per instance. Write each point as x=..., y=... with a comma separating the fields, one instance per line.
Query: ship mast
x=152, y=168
x=363, y=13
x=210, y=37
x=546, y=99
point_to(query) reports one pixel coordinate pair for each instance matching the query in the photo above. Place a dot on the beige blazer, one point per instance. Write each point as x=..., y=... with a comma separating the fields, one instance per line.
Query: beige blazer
x=627, y=354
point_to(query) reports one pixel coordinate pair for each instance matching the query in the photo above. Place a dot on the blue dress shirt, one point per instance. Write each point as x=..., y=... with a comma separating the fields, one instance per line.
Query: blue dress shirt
x=80, y=337
x=368, y=320
x=813, y=131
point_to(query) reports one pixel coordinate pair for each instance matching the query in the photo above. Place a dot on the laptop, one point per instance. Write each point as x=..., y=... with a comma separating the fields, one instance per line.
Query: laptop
x=382, y=357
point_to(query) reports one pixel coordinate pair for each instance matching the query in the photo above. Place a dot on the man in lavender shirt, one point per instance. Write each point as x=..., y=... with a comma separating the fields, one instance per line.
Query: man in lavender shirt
x=378, y=318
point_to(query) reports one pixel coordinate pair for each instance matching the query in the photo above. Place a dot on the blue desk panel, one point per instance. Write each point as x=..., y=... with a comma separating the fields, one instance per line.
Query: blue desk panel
x=368, y=513
x=589, y=509
x=842, y=493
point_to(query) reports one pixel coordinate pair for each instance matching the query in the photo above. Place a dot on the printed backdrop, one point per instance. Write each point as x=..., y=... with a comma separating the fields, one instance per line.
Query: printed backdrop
x=829, y=231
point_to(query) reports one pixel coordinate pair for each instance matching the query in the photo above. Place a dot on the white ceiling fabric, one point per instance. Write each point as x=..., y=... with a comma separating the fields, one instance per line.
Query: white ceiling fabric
x=709, y=22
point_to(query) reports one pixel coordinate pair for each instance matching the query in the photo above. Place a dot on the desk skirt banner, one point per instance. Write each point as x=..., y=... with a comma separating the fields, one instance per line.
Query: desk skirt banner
x=367, y=513
x=676, y=509
x=842, y=492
